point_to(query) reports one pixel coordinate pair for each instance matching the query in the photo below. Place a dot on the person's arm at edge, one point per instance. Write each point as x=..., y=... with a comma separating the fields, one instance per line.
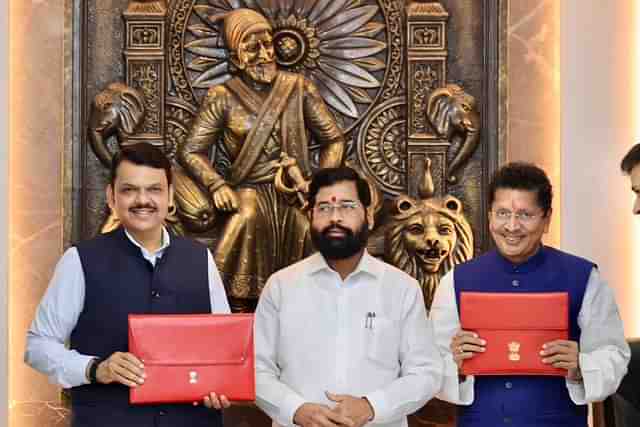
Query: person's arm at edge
x=446, y=322
x=55, y=318
x=217, y=294
x=604, y=352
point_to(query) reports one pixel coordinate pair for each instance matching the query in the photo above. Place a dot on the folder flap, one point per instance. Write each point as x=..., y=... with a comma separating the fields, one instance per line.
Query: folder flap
x=191, y=340
x=514, y=311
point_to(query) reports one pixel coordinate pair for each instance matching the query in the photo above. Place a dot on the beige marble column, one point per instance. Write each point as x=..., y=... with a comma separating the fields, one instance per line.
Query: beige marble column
x=37, y=115
x=4, y=206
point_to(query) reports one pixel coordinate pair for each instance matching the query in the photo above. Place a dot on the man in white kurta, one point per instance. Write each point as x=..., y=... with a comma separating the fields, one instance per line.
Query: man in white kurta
x=341, y=337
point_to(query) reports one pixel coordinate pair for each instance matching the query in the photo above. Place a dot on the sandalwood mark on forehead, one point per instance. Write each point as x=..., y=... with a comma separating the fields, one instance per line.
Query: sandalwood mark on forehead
x=333, y=199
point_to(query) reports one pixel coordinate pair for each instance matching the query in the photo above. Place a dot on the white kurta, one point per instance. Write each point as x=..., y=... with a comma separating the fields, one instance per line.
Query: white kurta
x=312, y=336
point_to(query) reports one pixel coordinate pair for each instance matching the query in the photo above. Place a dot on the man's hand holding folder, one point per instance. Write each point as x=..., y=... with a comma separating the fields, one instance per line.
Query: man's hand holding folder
x=205, y=358
x=515, y=334
x=125, y=368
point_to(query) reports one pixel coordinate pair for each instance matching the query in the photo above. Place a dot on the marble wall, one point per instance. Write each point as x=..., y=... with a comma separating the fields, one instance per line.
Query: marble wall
x=600, y=50
x=37, y=117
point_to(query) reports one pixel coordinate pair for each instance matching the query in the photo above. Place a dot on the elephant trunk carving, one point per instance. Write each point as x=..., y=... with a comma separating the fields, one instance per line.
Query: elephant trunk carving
x=118, y=110
x=453, y=114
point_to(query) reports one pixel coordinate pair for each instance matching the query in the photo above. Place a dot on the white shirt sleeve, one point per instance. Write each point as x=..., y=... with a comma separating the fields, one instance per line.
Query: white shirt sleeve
x=219, y=303
x=274, y=397
x=604, y=352
x=420, y=375
x=446, y=322
x=55, y=319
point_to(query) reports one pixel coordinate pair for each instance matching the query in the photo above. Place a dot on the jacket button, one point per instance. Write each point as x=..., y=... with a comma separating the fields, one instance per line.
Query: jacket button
x=162, y=413
x=155, y=294
x=508, y=385
x=515, y=283
x=507, y=420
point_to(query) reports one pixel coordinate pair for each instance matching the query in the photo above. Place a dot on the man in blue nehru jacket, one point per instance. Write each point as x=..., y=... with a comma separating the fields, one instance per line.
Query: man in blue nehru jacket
x=595, y=356
x=138, y=268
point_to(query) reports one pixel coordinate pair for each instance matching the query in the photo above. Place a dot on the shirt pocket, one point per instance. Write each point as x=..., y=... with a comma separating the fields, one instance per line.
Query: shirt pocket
x=383, y=342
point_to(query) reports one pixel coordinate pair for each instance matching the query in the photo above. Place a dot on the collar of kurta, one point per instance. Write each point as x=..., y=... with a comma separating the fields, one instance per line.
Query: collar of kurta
x=532, y=264
x=166, y=241
x=367, y=265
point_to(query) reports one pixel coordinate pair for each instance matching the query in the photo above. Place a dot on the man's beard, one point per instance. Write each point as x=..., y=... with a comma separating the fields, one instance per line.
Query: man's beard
x=262, y=73
x=336, y=248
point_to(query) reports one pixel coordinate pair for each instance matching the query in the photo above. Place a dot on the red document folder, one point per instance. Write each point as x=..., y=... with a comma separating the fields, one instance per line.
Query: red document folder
x=515, y=326
x=188, y=356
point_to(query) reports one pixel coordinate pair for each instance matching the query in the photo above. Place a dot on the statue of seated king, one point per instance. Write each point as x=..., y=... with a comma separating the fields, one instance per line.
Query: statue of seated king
x=262, y=120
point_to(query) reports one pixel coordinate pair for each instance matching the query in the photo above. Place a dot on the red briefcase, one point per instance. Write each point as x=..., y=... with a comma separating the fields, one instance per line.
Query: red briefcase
x=188, y=356
x=515, y=326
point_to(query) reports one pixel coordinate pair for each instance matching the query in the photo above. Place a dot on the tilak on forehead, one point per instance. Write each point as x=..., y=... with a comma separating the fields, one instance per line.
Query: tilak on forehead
x=239, y=23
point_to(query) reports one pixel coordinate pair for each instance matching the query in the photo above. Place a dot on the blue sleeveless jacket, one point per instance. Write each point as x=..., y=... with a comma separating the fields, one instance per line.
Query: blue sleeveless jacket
x=119, y=281
x=525, y=401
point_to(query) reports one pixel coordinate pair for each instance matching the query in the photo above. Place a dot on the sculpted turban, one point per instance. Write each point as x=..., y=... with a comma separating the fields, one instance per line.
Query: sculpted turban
x=241, y=22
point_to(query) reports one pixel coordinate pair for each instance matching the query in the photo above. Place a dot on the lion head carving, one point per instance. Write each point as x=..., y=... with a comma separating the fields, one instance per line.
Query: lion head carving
x=426, y=238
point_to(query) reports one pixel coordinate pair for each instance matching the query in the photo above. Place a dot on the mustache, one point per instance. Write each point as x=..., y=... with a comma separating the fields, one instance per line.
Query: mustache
x=142, y=206
x=333, y=227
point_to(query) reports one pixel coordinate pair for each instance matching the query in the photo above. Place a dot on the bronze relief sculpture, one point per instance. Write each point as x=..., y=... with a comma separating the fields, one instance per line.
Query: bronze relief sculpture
x=426, y=237
x=248, y=97
x=255, y=118
x=454, y=116
x=343, y=47
x=116, y=111
x=262, y=95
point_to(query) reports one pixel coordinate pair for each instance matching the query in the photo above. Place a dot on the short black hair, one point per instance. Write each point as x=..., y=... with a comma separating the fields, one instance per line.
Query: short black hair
x=329, y=176
x=630, y=160
x=141, y=154
x=523, y=176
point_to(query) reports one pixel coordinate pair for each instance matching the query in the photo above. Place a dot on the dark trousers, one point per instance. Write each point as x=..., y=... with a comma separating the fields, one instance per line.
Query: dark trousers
x=104, y=415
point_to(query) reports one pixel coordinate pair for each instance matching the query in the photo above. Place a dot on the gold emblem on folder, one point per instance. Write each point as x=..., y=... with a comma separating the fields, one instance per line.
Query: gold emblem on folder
x=193, y=377
x=514, y=351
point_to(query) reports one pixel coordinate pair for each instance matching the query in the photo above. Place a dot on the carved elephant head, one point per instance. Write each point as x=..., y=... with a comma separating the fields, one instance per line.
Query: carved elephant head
x=452, y=113
x=117, y=110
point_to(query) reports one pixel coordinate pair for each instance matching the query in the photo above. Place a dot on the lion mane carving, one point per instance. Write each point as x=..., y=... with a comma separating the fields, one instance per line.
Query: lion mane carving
x=427, y=237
